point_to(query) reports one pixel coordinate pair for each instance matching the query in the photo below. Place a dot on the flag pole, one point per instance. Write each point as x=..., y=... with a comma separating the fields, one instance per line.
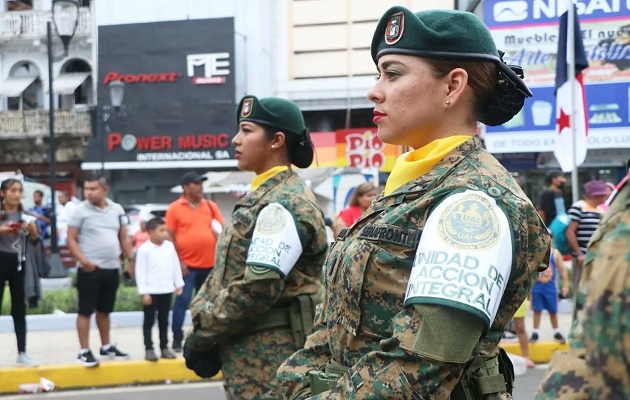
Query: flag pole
x=572, y=111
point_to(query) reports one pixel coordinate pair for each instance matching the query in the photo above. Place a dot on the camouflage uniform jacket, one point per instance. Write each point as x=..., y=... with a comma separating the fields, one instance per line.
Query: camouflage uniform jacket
x=228, y=305
x=364, y=323
x=597, y=364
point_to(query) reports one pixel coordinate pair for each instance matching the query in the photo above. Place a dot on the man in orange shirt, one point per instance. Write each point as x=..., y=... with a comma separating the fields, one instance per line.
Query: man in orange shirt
x=193, y=224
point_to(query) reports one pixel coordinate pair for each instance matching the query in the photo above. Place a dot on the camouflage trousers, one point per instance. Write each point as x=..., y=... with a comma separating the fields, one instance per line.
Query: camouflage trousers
x=249, y=364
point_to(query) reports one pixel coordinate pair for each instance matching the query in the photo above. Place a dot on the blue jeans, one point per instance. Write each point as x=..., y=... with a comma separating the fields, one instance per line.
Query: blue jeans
x=196, y=277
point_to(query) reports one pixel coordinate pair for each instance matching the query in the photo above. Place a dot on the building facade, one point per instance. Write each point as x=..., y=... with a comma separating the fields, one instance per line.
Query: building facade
x=24, y=104
x=528, y=33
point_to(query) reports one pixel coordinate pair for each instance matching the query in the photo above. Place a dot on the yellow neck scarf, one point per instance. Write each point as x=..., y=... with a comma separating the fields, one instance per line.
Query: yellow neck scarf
x=414, y=164
x=264, y=177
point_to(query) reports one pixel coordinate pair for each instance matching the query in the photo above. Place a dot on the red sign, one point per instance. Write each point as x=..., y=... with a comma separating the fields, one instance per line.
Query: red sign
x=363, y=148
x=142, y=77
x=202, y=141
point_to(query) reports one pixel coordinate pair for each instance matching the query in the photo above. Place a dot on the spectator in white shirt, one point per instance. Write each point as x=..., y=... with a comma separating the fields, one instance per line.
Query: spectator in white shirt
x=64, y=211
x=158, y=275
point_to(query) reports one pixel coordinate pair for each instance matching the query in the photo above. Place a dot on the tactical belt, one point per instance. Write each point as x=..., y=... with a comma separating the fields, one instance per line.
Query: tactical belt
x=275, y=318
x=482, y=378
x=298, y=316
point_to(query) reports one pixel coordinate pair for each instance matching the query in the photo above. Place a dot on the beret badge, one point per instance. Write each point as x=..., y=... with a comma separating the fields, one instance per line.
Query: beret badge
x=395, y=27
x=247, y=108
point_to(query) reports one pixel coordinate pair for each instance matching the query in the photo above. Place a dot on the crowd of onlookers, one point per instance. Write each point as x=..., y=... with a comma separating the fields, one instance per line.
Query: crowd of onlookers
x=184, y=242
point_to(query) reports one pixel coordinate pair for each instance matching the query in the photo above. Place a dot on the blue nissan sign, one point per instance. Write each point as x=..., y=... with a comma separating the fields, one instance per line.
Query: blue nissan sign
x=528, y=33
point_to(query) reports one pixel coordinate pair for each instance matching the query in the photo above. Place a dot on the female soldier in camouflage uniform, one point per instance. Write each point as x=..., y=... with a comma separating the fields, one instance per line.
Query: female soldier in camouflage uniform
x=419, y=290
x=259, y=303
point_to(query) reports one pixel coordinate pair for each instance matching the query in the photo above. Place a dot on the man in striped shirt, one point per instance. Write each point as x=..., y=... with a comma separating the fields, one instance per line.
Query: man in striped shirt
x=585, y=216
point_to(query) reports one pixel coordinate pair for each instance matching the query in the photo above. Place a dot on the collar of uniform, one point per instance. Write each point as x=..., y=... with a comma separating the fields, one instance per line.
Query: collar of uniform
x=265, y=176
x=435, y=176
x=108, y=203
x=253, y=197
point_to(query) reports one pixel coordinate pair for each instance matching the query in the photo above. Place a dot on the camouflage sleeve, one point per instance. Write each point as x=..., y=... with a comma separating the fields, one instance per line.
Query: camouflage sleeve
x=596, y=364
x=247, y=297
x=407, y=367
x=233, y=308
x=607, y=307
x=293, y=373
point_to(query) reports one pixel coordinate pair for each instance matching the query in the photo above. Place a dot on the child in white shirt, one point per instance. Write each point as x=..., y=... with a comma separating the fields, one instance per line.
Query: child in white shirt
x=158, y=275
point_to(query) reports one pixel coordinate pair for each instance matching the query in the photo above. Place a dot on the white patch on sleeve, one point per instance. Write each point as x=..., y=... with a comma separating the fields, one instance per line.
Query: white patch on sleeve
x=464, y=257
x=275, y=243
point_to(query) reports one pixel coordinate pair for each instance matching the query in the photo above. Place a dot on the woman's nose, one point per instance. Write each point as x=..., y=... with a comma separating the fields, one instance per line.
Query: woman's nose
x=374, y=94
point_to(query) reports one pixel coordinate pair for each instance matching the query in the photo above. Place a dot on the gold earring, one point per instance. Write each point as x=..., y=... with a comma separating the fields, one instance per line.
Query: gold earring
x=448, y=102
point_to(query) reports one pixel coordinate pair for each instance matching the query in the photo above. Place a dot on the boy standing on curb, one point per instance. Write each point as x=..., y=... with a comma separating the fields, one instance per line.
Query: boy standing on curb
x=545, y=294
x=158, y=275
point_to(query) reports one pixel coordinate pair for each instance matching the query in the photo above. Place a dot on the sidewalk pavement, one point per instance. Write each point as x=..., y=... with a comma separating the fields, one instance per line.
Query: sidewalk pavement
x=57, y=350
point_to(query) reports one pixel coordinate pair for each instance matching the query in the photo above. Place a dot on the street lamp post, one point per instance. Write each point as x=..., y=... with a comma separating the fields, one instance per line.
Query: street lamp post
x=116, y=97
x=65, y=16
x=116, y=94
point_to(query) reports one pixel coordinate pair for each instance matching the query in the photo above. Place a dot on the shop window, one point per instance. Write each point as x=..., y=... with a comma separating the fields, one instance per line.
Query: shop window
x=29, y=97
x=83, y=94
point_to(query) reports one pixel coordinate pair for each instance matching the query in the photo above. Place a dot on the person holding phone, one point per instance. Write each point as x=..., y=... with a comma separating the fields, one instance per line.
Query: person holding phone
x=96, y=232
x=14, y=229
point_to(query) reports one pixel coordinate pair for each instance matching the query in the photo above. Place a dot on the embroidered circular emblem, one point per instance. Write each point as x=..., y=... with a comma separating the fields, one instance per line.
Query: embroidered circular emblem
x=271, y=220
x=395, y=27
x=470, y=223
x=248, y=107
x=128, y=142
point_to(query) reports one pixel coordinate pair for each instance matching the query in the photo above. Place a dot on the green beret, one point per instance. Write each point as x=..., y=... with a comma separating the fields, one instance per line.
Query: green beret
x=444, y=34
x=441, y=33
x=281, y=114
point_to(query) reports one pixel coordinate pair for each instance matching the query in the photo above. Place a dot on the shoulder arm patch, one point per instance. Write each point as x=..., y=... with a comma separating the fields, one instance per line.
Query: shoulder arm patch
x=464, y=257
x=275, y=242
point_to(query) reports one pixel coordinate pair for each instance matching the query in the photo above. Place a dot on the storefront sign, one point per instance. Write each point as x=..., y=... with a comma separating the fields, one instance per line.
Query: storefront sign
x=527, y=31
x=359, y=148
x=362, y=148
x=179, y=101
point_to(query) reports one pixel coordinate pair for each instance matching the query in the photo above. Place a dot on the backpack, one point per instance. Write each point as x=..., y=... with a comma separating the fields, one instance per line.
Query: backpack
x=558, y=229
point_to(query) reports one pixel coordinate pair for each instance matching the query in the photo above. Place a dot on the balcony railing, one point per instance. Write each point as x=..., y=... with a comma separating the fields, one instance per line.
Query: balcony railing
x=34, y=123
x=32, y=24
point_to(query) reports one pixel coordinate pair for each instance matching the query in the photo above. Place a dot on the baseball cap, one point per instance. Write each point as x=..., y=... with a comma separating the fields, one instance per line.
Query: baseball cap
x=192, y=177
x=596, y=188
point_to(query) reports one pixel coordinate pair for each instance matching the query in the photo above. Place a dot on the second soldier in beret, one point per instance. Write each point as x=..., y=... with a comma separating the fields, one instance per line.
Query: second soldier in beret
x=259, y=304
x=420, y=289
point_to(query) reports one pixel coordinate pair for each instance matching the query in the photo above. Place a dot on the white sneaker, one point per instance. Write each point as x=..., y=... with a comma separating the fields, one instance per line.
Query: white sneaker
x=26, y=361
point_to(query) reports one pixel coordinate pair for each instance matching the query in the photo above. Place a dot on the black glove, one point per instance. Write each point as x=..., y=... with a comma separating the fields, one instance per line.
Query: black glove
x=206, y=364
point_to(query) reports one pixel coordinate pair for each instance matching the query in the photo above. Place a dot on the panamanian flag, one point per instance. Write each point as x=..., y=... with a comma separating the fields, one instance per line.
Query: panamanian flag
x=564, y=144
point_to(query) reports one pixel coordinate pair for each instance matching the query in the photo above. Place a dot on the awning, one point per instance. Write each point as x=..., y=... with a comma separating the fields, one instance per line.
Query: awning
x=15, y=86
x=69, y=82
